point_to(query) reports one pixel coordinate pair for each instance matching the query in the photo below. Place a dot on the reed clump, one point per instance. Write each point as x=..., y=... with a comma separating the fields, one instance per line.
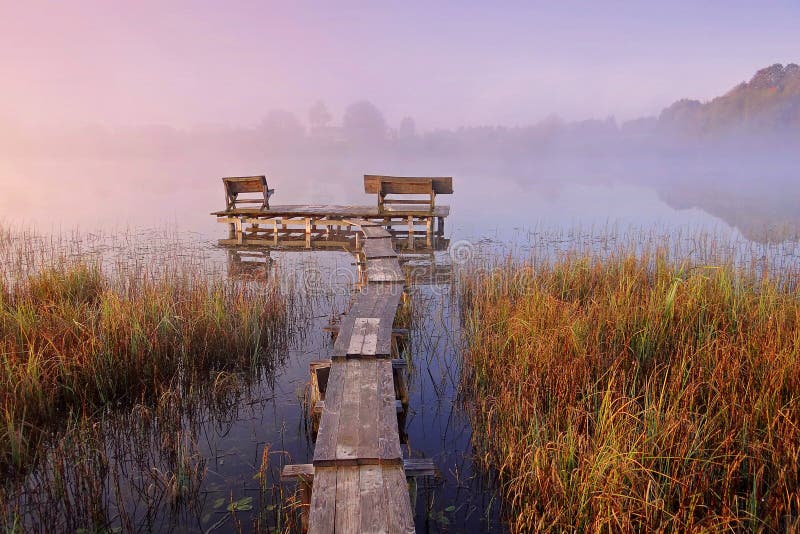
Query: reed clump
x=631, y=391
x=79, y=337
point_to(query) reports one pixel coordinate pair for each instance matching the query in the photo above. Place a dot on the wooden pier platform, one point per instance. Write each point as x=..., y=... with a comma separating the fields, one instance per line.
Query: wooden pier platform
x=357, y=481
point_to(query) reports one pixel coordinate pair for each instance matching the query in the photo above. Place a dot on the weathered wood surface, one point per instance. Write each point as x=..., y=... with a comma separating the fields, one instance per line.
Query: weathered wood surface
x=385, y=270
x=322, y=211
x=375, y=232
x=364, y=337
x=376, y=301
x=442, y=185
x=323, y=501
x=359, y=423
x=413, y=467
x=327, y=436
x=357, y=454
x=368, y=499
x=379, y=248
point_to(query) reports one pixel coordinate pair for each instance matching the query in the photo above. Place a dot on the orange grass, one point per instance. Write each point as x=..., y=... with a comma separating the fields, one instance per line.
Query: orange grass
x=76, y=337
x=631, y=393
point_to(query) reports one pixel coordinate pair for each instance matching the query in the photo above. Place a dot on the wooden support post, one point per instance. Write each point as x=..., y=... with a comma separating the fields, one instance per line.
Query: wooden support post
x=429, y=231
x=239, y=231
x=275, y=231
x=401, y=385
x=308, y=233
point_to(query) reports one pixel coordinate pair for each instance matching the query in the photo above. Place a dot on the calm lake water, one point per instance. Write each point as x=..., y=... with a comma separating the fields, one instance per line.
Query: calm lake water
x=499, y=213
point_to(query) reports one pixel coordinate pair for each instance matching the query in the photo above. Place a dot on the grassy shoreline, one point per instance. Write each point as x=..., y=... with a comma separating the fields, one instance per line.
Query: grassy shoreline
x=78, y=336
x=629, y=391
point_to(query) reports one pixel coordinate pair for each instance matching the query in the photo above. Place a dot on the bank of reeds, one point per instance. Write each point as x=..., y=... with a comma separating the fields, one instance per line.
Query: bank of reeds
x=634, y=392
x=80, y=334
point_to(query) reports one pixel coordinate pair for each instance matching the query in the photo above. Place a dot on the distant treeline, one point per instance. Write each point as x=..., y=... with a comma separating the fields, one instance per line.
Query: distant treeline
x=764, y=112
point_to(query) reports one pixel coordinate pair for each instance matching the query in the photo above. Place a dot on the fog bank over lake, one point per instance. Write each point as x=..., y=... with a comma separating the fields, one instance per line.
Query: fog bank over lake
x=157, y=176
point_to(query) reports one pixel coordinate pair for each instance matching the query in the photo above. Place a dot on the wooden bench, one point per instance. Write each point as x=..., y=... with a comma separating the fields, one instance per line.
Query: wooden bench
x=236, y=185
x=427, y=188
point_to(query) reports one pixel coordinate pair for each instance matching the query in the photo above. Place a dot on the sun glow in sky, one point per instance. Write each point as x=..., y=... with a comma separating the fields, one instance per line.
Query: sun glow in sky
x=187, y=63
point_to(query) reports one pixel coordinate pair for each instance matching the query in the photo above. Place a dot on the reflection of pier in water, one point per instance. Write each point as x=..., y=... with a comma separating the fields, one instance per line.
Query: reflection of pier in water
x=421, y=263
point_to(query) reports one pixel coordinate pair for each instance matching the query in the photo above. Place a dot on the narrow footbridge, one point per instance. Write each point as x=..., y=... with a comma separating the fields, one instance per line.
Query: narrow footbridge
x=358, y=478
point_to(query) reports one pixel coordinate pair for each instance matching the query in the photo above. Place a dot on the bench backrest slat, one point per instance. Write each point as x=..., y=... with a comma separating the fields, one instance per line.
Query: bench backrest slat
x=245, y=184
x=408, y=185
x=235, y=185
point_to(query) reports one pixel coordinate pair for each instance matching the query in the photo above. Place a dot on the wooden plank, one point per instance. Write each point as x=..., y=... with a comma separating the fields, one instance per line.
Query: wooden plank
x=371, y=337
x=375, y=232
x=295, y=471
x=379, y=248
x=368, y=445
x=374, y=505
x=364, y=307
x=413, y=467
x=342, y=344
x=419, y=467
x=325, y=449
x=348, y=500
x=347, y=437
x=329, y=211
x=385, y=270
x=364, y=337
x=401, y=516
x=323, y=501
x=390, y=300
x=442, y=185
x=388, y=433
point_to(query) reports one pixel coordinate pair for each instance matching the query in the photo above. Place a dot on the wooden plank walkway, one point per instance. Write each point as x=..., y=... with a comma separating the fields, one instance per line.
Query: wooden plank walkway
x=359, y=481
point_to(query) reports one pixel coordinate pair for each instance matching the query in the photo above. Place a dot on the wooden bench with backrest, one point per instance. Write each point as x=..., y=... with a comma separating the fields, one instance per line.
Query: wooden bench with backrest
x=427, y=188
x=237, y=185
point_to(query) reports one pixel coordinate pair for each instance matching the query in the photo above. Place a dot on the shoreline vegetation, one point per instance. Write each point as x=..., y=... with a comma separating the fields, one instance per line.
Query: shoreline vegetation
x=146, y=330
x=635, y=390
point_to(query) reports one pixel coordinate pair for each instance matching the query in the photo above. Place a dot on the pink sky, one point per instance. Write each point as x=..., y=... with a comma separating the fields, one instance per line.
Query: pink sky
x=190, y=63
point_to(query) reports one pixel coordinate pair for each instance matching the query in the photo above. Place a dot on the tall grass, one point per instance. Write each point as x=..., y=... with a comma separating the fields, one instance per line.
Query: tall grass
x=634, y=391
x=80, y=334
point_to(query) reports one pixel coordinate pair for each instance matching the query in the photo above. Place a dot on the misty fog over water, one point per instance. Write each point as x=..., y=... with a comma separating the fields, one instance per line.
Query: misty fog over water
x=752, y=193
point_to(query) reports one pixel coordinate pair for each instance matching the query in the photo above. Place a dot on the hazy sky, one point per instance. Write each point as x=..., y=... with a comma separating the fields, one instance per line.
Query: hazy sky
x=445, y=64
